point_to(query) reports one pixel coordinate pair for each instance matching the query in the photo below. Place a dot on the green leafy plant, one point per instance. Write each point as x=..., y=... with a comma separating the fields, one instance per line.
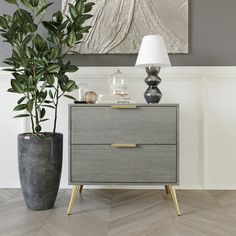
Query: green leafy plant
x=38, y=64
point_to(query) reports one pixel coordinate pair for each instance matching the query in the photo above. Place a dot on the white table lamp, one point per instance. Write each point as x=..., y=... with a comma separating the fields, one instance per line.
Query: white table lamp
x=152, y=56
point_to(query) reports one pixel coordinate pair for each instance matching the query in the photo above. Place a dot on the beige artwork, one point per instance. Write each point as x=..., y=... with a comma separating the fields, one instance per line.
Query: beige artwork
x=119, y=25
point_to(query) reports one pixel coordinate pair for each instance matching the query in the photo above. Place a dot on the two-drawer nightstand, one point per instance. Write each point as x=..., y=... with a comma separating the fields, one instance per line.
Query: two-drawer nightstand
x=124, y=145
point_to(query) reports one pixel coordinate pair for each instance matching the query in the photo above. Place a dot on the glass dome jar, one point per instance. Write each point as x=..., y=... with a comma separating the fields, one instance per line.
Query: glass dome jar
x=83, y=88
x=118, y=84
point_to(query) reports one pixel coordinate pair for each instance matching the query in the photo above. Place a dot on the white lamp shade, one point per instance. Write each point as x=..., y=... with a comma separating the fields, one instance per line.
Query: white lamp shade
x=153, y=52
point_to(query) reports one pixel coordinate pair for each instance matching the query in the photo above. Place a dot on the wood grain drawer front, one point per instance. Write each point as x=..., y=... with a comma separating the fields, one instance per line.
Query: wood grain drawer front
x=105, y=164
x=104, y=125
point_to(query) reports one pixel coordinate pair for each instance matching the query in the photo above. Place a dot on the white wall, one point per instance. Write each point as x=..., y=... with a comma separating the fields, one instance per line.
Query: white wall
x=207, y=98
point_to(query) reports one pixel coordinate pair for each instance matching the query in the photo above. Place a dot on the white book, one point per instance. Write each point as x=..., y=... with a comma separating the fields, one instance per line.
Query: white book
x=114, y=99
x=115, y=102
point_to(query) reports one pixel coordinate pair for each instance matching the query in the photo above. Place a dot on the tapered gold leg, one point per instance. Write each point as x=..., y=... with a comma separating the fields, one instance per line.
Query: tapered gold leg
x=167, y=189
x=174, y=198
x=73, y=197
x=81, y=188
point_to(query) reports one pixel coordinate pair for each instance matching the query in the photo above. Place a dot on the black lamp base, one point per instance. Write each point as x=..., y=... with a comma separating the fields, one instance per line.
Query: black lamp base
x=153, y=93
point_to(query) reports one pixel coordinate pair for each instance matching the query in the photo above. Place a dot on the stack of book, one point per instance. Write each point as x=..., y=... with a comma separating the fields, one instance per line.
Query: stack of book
x=114, y=99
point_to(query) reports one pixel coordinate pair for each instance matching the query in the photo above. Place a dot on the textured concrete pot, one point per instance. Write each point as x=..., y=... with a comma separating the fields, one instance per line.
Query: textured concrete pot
x=40, y=163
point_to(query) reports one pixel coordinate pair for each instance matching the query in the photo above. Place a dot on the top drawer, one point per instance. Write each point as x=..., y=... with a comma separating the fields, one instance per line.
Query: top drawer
x=92, y=124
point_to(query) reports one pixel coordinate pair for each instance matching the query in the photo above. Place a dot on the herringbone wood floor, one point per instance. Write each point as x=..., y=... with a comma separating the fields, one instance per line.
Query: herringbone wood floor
x=122, y=213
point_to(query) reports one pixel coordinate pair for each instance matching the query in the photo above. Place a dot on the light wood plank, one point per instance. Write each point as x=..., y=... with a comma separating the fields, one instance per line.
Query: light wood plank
x=122, y=212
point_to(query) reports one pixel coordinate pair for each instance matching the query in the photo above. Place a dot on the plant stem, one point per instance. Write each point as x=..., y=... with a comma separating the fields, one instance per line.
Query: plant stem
x=31, y=115
x=66, y=52
x=36, y=111
x=32, y=122
x=34, y=74
x=56, y=110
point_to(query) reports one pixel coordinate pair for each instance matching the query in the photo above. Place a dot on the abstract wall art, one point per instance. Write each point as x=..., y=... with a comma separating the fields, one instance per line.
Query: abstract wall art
x=119, y=25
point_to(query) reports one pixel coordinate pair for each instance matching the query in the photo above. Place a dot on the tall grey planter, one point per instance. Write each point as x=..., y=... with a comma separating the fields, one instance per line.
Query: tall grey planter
x=40, y=163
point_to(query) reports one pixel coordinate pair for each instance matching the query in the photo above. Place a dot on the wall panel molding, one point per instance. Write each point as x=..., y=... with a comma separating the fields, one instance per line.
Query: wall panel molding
x=206, y=96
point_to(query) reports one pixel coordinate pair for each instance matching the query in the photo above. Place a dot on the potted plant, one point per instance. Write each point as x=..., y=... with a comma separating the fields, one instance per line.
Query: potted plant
x=39, y=73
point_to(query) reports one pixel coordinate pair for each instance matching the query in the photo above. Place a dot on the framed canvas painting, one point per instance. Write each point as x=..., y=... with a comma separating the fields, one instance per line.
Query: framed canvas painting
x=119, y=25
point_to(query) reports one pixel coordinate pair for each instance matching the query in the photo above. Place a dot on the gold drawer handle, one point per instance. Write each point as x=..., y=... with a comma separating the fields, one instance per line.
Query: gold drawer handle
x=123, y=145
x=123, y=106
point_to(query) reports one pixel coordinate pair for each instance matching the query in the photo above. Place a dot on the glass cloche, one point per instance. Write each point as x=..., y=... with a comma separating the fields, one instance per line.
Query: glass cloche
x=118, y=84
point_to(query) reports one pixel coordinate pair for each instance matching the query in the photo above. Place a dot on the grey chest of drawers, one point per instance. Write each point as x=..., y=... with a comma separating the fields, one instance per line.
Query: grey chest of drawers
x=125, y=145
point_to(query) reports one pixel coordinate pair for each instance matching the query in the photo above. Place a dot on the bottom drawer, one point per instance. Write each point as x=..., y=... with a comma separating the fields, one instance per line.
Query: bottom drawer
x=91, y=164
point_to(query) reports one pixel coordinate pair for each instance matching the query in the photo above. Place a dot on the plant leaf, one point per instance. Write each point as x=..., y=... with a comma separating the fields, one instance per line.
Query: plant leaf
x=80, y=7
x=70, y=86
x=49, y=106
x=30, y=105
x=42, y=9
x=34, y=3
x=71, y=40
x=27, y=52
x=20, y=77
x=11, y=90
x=21, y=116
x=87, y=16
x=71, y=68
x=16, y=86
x=43, y=85
x=49, y=26
x=58, y=17
x=9, y=69
x=38, y=128
x=47, y=101
x=88, y=7
x=70, y=97
x=27, y=39
x=42, y=113
x=50, y=94
x=73, y=11
x=11, y=1
x=63, y=78
x=21, y=100
x=53, y=68
x=53, y=54
x=31, y=27
x=85, y=29
x=43, y=120
x=20, y=107
x=26, y=3
x=38, y=42
x=50, y=79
